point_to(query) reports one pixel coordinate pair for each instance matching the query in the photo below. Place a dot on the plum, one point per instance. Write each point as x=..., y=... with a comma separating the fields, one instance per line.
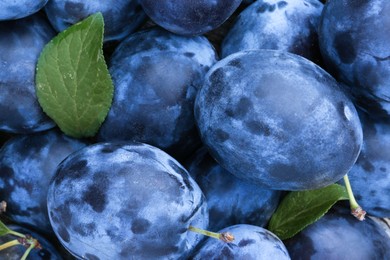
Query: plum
x=189, y=17
x=278, y=120
x=370, y=176
x=353, y=37
x=21, y=42
x=121, y=17
x=16, y=9
x=289, y=25
x=125, y=200
x=250, y=242
x=156, y=76
x=231, y=200
x=338, y=235
x=27, y=163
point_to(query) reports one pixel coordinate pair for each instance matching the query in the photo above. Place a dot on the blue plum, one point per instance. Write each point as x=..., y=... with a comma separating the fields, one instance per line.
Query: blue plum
x=370, y=176
x=189, y=17
x=278, y=120
x=48, y=251
x=156, y=76
x=27, y=163
x=289, y=25
x=16, y=9
x=250, y=242
x=121, y=17
x=354, y=41
x=21, y=42
x=231, y=200
x=125, y=200
x=338, y=235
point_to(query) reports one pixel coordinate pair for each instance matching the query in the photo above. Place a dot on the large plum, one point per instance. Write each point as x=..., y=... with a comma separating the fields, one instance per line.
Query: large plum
x=123, y=201
x=278, y=120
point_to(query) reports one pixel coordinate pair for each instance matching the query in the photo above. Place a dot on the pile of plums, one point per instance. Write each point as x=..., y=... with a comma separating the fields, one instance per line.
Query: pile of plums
x=220, y=108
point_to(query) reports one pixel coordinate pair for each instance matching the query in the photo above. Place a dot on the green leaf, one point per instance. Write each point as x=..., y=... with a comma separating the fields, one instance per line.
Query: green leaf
x=73, y=84
x=302, y=208
x=3, y=229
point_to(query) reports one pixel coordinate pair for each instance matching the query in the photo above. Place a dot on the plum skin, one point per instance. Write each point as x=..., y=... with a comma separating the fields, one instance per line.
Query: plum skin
x=279, y=25
x=153, y=102
x=353, y=37
x=130, y=199
x=250, y=242
x=338, y=235
x=21, y=42
x=370, y=176
x=12, y=10
x=27, y=163
x=278, y=120
x=230, y=200
x=189, y=17
x=121, y=17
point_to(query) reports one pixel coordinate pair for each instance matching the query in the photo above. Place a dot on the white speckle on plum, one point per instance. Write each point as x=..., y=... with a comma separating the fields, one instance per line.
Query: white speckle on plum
x=347, y=113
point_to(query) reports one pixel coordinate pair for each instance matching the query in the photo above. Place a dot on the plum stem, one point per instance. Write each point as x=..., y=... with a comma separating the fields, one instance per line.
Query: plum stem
x=9, y=244
x=16, y=233
x=356, y=209
x=28, y=240
x=25, y=240
x=28, y=250
x=225, y=236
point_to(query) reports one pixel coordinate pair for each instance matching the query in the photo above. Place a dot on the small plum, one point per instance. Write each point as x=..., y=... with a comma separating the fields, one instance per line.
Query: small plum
x=189, y=17
x=156, y=76
x=338, y=235
x=250, y=242
x=21, y=42
x=121, y=17
x=289, y=25
x=27, y=163
x=370, y=176
x=16, y=9
x=231, y=200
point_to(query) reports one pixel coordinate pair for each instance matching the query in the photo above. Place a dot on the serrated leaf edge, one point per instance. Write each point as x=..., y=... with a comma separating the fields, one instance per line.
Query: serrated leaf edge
x=100, y=57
